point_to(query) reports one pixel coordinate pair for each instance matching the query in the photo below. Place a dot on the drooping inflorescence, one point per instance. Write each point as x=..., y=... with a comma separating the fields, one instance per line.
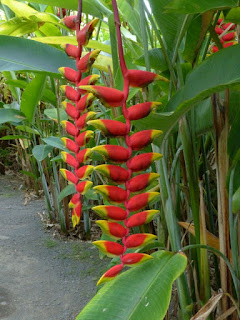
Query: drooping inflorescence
x=76, y=109
x=126, y=203
x=226, y=33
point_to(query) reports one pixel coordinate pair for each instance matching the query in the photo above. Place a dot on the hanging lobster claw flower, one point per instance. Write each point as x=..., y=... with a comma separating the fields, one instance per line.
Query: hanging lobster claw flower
x=143, y=161
x=83, y=155
x=226, y=25
x=112, y=193
x=70, y=22
x=85, y=63
x=110, y=248
x=70, y=144
x=75, y=200
x=142, y=138
x=76, y=214
x=68, y=175
x=89, y=80
x=84, y=171
x=70, y=93
x=110, y=127
x=218, y=30
x=134, y=259
x=110, y=212
x=140, y=201
x=139, y=240
x=140, y=218
x=83, y=186
x=140, y=78
x=71, y=110
x=113, y=229
x=85, y=34
x=117, y=174
x=69, y=159
x=82, y=121
x=141, y=110
x=84, y=137
x=114, y=153
x=69, y=73
x=85, y=102
x=110, y=274
x=71, y=50
x=141, y=181
x=70, y=128
x=109, y=97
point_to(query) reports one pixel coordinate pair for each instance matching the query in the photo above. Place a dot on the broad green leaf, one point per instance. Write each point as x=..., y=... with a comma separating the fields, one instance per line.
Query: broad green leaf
x=169, y=23
x=18, y=27
x=234, y=15
x=131, y=16
x=24, y=11
x=52, y=114
x=40, y=152
x=11, y=115
x=55, y=142
x=196, y=6
x=31, y=55
x=48, y=95
x=92, y=7
x=61, y=40
x=236, y=201
x=13, y=137
x=49, y=29
x=157, y=60
x=16, y=92
x=140, y=293
x=69, y=189
x=27, y=129
x=215, y=74
x=31, y=96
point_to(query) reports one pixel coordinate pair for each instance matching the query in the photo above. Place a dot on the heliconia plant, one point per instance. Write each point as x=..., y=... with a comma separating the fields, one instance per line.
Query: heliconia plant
x=76, y=109
x=122, y=213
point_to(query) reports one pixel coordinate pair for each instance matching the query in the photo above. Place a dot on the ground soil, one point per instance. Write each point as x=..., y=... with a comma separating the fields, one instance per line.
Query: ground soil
x=42, y=277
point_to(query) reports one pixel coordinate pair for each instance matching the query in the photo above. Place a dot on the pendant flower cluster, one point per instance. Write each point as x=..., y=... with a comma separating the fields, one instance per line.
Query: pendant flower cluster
x=228, y=39
x=77, y=110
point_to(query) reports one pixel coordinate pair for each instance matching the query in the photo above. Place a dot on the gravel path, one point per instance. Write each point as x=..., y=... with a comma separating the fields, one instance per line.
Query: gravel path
x=41, y=278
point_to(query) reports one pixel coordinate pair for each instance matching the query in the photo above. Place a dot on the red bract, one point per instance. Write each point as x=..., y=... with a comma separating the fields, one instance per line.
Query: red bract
x=71, y=93
x=111, y=212
x=82, y=120
x=112, y=193
x=71, y=50
x=71, y=110
x=70, y=74
x=117, y=174
x=141, y=139
x=141, y=181
x=143, y=161
x=140, y=79
x=117, y=154
x=110, y=127
x=85, y=63
x=85, y=34
x=70, y=22
x=141, y=110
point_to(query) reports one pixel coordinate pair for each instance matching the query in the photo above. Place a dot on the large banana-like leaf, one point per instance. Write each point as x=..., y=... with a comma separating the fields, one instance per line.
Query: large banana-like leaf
x=93, y=44
x=196, y=6
x=23, y=54
x=215, y=74
x=18, y=27
x=140, y=293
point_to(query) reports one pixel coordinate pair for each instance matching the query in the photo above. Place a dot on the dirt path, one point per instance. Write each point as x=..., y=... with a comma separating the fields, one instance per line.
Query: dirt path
x=41, y=278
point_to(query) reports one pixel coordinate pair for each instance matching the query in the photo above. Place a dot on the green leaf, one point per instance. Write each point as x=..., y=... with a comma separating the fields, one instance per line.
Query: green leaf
x=31, y=55
x=92, y=7
x=24, y=11
x=11, y=115
x=234, y=15
x=18, y=27
x=52, y=114
x=236, y=201
x=27, y=129
x=196, y=6
x=69, y=189
x=55, y=142
x=169, y=23
x=40, y=152
x=215, y=74
x=61, y=40
x=140, y=293
x=157, y=60
x=131, y=16
x=13, y=137
x=31, y=96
